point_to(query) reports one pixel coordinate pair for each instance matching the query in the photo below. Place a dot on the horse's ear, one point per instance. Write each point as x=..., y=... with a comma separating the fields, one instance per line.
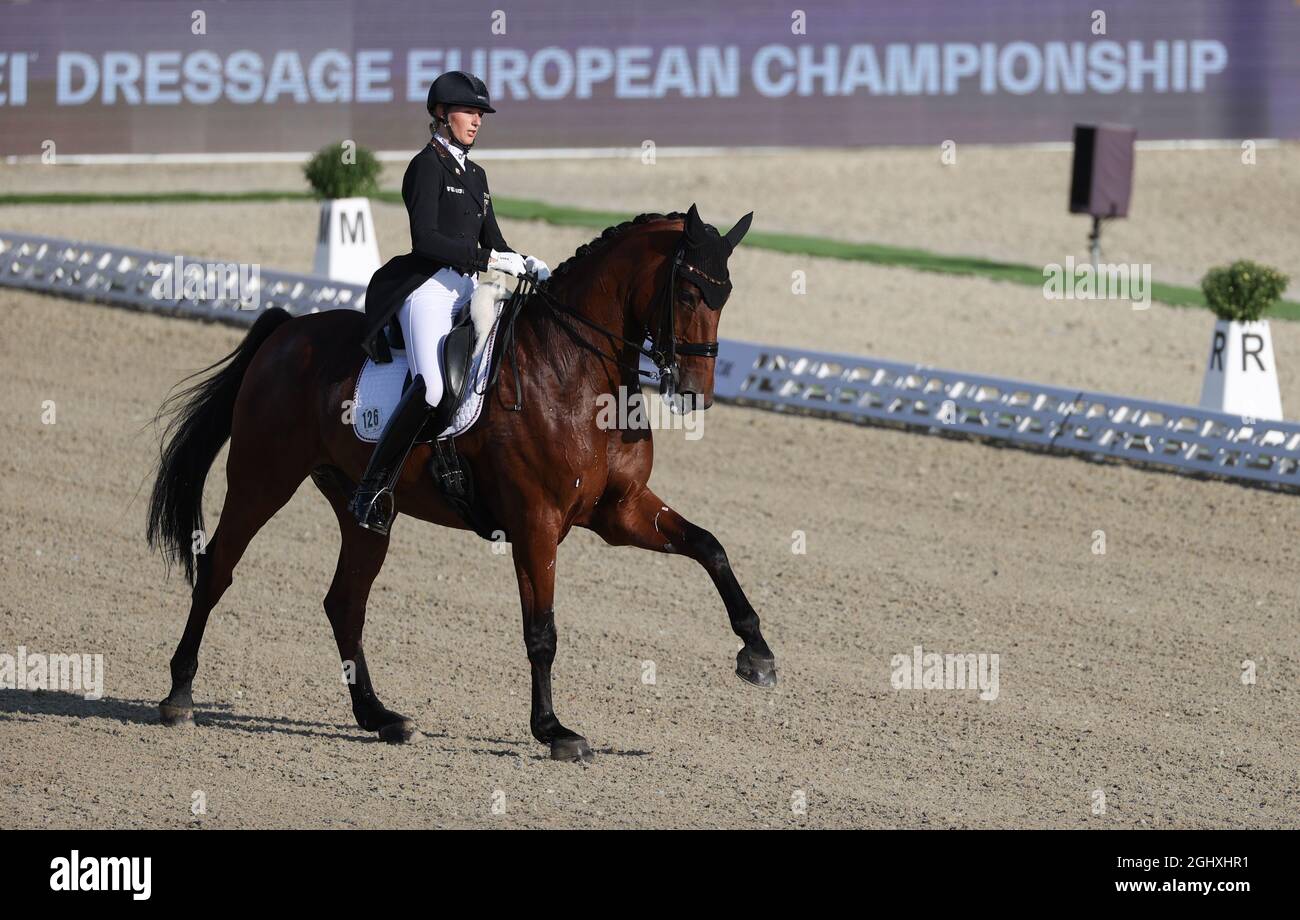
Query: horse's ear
x=694, y=227
x=737, y=233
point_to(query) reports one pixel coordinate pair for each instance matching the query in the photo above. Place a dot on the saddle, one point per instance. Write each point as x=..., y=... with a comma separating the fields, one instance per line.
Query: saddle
x=455, y=360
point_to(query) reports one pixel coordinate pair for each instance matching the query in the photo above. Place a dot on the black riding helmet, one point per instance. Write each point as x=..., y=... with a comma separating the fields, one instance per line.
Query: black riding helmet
x=456, y=87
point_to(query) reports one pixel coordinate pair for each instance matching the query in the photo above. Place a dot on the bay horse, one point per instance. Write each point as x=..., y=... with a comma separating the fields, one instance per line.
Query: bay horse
x=541, y=461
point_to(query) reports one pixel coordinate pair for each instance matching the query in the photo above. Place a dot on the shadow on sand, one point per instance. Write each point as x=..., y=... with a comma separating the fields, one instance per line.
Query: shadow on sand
x=21, y=705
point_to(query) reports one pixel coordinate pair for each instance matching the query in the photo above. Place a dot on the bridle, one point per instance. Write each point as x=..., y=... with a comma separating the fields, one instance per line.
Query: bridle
x=664, y=349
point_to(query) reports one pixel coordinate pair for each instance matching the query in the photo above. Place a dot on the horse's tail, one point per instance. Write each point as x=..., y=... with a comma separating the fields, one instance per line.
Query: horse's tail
x=201, y=418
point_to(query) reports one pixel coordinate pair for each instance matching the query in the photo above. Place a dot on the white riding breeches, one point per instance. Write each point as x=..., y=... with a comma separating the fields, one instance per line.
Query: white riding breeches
x=426, y=318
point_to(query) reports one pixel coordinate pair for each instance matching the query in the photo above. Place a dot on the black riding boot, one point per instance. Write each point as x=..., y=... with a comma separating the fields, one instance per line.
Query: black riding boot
x=372, y=503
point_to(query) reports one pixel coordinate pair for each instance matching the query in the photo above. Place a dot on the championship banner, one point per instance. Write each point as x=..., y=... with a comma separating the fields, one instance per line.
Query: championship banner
x=144, y=76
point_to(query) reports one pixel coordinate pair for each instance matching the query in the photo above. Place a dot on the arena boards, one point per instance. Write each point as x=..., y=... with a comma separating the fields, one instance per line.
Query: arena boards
x=866, y=390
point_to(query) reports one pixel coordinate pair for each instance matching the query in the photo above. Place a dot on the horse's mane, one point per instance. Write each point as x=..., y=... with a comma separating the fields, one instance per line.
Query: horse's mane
x=608, y=236
x=563, y=350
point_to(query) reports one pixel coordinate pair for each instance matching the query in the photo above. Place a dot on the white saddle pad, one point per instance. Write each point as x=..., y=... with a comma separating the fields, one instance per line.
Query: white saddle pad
x=379, y=387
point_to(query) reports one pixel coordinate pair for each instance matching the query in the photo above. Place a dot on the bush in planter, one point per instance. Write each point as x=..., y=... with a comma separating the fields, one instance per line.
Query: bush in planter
x=331, y=177
x=1242, y=291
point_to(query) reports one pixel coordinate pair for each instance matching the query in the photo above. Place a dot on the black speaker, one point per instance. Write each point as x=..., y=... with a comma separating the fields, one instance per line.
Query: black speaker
x=1102, y=179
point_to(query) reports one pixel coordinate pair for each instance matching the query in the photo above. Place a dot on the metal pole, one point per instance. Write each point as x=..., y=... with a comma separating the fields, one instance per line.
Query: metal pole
x=1094, y=240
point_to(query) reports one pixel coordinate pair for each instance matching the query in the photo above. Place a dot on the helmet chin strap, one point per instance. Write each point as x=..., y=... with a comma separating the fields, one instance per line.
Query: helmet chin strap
x=450, y=137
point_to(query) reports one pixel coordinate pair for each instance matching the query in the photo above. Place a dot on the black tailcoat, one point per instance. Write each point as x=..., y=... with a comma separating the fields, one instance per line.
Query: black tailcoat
x=452, y=224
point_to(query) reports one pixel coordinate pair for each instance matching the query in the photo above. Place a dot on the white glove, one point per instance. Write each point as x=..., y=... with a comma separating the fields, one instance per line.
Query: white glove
x=537, y=267
x=512, y=263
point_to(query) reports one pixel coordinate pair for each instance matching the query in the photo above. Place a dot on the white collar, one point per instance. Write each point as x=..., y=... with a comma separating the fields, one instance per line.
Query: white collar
x=454, y=151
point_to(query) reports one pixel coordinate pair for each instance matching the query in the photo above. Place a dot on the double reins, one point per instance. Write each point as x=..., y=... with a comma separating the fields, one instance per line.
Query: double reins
x=665, y=348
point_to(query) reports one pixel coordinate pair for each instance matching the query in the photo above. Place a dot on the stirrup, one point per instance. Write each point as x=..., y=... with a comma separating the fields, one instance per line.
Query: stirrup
x=374, y=509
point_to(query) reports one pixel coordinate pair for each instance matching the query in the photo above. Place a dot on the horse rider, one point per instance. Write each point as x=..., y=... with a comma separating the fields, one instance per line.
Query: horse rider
x=454, y=234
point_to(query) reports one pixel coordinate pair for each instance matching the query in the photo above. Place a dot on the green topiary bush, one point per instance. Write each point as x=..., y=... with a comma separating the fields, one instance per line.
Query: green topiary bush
x=1243, y=290
x=343, y=170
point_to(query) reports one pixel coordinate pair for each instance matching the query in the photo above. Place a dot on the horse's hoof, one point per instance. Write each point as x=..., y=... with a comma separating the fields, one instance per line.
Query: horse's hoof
x=572, y=750
x=761, y=672
x=173, y=714
x=398, y=732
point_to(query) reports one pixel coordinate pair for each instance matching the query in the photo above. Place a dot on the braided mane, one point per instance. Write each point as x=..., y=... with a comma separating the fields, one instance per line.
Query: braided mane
x=610, y=234
x=563, y=347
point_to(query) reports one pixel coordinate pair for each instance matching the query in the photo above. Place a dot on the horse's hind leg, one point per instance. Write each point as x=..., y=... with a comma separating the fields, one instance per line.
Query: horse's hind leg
x=254, y=494
x=259, y=482
x=361, y=556
x=642, y=519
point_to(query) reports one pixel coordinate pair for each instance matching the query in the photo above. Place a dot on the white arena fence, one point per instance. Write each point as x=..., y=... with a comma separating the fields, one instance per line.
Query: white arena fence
x=865, y=390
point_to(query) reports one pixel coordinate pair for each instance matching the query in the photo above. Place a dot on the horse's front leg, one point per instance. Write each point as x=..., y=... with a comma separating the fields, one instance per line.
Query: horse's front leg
x=534, y=555
x=641, y=518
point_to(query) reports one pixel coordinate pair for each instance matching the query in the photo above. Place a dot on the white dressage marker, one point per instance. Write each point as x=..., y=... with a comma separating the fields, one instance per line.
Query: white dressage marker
x=1240, y=375
x=346, y=246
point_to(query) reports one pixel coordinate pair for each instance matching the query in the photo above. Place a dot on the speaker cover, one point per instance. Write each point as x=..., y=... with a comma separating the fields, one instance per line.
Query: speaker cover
x=1102, y=179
